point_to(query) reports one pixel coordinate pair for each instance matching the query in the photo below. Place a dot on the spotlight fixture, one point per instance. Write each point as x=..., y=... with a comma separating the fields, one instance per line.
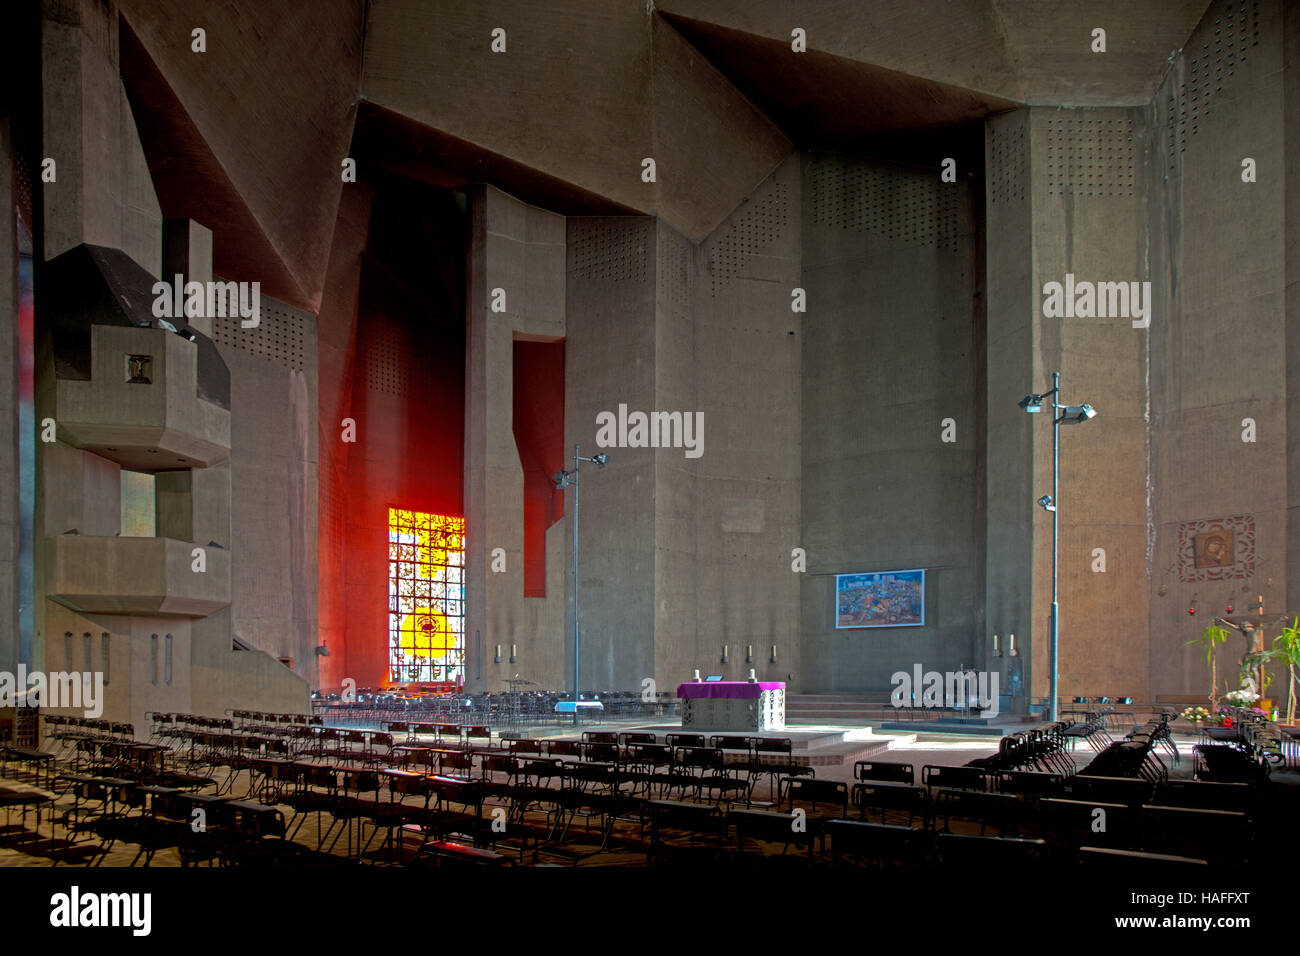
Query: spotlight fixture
x=1076, y=414
x=1061, y=415
x=565, y=479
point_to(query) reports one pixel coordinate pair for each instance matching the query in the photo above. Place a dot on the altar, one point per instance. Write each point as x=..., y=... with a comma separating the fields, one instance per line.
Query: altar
x=733, y=705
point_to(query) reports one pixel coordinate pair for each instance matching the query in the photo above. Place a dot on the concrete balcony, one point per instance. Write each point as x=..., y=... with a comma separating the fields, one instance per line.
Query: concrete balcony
x=140, y=407
x=141, y=576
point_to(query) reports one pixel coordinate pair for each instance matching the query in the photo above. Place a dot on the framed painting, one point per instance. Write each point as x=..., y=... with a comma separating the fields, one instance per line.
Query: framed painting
x=880, y=599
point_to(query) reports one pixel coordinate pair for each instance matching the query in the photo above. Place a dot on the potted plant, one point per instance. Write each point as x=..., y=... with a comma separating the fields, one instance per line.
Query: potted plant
x=1211, y=638
x=1286, y=648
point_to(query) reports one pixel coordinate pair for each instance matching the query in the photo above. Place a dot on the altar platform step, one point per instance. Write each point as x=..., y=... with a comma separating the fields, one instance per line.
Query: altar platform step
x=836, y=748
x=1000, y=726
x=814, y=746
x=836, y=708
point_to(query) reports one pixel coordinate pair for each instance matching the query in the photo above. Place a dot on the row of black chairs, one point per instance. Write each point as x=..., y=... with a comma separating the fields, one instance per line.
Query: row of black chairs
x=813, y=814
x=1136, y=755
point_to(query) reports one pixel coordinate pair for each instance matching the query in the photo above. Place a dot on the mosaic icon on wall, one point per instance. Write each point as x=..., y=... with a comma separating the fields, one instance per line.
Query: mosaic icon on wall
x=1216, y=549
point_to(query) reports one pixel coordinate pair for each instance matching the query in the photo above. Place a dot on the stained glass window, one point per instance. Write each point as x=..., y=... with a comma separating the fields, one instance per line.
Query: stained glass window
x=426, y=597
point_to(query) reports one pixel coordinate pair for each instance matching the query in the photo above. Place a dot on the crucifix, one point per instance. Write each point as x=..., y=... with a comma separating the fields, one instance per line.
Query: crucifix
x=1251, y=626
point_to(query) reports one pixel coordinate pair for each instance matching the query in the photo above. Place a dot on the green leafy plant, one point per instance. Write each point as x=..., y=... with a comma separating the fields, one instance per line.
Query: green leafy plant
x=1211, y=639
x=1286, y=648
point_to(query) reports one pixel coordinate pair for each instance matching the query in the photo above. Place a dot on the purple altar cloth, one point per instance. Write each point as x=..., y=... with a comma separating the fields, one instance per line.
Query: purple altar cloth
x=742, y=689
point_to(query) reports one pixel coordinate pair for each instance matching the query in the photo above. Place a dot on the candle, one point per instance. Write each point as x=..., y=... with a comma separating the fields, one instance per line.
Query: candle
x=995, y=643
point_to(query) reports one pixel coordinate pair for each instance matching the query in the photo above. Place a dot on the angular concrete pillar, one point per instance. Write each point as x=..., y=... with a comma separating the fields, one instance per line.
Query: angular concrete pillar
x=1012, y=370
x=187, y=252
x=517, y=288
x=102, y=193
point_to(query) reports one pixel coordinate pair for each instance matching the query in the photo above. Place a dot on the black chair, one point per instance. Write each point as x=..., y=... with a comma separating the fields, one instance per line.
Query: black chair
x=1206, y=795
x=1003, y=811
x=833, y=794
x=671, y=821
x=1221, y=837
x=767, y=827
x=774, y=758
x=1029, y=783
x=985, y=852
x=884, y=771
x=935, y=777
x=888, y=798
x=1077, y=823
x=882, y=844
x=1130, y=791
x=1127, y=864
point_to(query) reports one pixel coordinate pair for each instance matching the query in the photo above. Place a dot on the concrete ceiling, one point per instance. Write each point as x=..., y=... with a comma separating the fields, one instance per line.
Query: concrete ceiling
x=273, y=102
x=1031, y=51
x=823, y=101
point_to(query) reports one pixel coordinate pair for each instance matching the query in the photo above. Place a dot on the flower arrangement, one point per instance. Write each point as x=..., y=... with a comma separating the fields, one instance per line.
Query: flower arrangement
x=1196, y=715
x=1242, y=697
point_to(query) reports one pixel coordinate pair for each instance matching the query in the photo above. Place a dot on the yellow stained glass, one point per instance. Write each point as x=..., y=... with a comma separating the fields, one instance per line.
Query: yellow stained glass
x=426, y=596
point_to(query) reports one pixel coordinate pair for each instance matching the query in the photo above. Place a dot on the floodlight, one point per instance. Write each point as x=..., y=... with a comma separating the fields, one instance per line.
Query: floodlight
x=1075, y=414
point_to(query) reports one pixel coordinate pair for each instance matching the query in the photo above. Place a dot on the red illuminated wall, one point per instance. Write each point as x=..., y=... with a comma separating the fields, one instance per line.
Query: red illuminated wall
x=539, y=437
x=396, y=365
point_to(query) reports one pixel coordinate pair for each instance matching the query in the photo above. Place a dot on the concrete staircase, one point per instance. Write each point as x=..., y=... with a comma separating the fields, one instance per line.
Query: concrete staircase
x=860, y=709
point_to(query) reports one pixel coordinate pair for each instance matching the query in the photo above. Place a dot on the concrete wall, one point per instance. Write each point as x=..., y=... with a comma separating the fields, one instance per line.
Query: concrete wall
x=1220, y=354
x=727, y=520
x=223, y=678
x=889, y=264
x=335, y=351
x=1012, y=368
x=610, y=349
x=521, y=250
x=1291, y=147
x=1088, y=174
x=273, y=484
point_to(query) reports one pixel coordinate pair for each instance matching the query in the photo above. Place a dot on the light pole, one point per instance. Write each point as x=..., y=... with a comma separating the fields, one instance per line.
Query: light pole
x=1061, y=415
x=562, y=480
